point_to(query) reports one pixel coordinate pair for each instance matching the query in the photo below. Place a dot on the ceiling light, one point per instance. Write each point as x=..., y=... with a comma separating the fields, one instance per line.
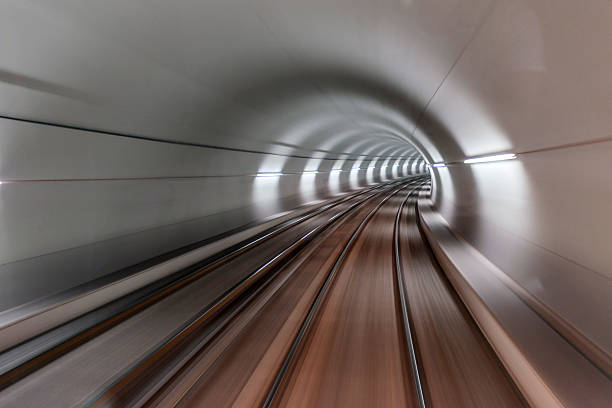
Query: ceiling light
x=494, y=158
x=269, y=174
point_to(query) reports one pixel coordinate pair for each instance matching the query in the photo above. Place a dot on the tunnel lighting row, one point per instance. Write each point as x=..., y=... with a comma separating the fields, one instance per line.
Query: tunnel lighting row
x=308, y=172
x=483, y=159
x=269, y=174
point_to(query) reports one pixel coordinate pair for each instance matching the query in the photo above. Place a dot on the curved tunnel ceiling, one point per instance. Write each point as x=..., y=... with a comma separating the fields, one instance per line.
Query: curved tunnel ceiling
x=301, y=78
x=455, y=78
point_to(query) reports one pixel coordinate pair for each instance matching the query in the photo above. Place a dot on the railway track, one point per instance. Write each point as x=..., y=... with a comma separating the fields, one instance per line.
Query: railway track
x=344, y=306
x=354, y=353
x=28, y=356
x=232, y=371
x=73, y=351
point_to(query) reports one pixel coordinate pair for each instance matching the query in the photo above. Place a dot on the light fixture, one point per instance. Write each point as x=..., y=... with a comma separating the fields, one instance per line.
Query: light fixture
x=439, y=164
x=336, y=171
x=494, y=158
x=310, y=172
x=261, y=175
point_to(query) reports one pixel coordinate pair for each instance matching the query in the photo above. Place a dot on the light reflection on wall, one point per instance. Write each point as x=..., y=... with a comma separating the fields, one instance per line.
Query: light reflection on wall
x=384, y=170
x=308, y=180
x=266, y=189
x=318, y=178
x=335, y=174
x=356, y=172
x=505, y=196
x=499, y=193
x=370, y=171
x=405, y=169
x=395, y=169
x=442, y=186
x=413, y=167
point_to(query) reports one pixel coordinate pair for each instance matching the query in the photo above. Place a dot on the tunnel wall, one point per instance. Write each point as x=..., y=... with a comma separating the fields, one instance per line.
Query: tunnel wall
x=457, y=78
x=531, y=82
x=123, y=137
x=77, y=205
x=527, y=220
x=113, y=186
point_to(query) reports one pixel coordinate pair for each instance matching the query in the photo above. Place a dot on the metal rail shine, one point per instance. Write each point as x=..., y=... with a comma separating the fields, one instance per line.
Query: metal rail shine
x=222, y=301
x=402, y=292
x=317, y=302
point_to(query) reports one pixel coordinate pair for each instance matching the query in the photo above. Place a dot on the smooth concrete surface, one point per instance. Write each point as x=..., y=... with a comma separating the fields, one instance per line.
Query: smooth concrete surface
x=541, y=360
x=145, y=109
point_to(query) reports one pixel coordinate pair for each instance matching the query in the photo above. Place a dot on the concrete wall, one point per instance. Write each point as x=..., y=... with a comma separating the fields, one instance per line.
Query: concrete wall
x=216, y=91
x=76, y=205
x=64, y=188
x=532, y=82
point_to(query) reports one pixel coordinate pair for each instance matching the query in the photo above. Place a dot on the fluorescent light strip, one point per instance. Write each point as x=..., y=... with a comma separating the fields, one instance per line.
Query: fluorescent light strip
x=310, y=172
x=261, y=175
x=494, y=158
x=336, y=171
x=439, y=164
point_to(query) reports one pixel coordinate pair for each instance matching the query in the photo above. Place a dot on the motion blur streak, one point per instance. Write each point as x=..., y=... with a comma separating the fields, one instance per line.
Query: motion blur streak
x=197, y=203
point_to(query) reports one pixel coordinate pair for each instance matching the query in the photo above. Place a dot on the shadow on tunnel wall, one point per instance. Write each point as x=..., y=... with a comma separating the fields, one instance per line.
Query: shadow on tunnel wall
x=277, y=102
x=274, y=92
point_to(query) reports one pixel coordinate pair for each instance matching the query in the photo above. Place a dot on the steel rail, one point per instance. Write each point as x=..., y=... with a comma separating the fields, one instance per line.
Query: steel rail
x=314, y=308
x=203, y=339
x=29, y=356
x=404, y=304
x=223, y=301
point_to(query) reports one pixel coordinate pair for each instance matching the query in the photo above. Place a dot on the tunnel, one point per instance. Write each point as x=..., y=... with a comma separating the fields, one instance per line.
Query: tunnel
x=306, y=203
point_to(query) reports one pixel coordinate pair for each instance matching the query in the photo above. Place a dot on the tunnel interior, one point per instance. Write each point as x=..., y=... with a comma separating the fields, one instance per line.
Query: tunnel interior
x=133, y=132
